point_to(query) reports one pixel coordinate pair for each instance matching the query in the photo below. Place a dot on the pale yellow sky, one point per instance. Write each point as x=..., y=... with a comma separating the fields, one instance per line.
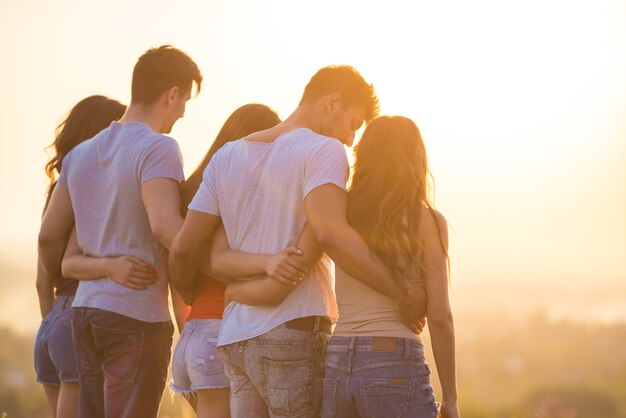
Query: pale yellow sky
x=522, y=106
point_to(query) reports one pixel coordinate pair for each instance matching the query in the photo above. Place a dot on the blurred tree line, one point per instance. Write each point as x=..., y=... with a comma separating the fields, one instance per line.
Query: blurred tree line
x=506, y=368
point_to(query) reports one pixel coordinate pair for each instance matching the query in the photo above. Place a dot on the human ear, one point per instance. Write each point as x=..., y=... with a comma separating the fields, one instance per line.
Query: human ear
x=333, y=101
x=172, y=94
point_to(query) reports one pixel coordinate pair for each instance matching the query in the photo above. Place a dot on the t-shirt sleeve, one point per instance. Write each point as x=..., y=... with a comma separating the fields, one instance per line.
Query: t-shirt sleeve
x=327, y=165
x=205, y=199
x=162, y=160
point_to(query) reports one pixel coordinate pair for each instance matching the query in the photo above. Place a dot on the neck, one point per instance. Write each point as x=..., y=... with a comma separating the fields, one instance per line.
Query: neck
x=143, y=114
x=302, y=117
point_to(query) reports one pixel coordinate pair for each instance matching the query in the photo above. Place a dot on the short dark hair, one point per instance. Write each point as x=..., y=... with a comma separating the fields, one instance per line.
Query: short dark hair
x=346, y=81
x=160, y=69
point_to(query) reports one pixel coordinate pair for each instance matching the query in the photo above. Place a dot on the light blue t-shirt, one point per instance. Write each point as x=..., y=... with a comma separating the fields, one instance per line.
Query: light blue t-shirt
x=104, y=176
x=258, y=190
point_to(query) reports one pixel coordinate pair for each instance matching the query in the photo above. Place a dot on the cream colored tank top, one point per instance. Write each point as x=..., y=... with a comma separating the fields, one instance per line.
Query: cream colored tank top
x=364, y=311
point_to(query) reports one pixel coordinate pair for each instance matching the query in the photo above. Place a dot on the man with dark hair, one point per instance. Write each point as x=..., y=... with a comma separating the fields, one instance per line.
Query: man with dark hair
x=120, y=189
x=264, y=188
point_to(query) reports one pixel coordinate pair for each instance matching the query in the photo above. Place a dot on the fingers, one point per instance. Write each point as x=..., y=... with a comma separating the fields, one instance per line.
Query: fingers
x=292, y=251
x=140, y=265
x=137, y=260
x=285, y=277
x=291, y=271
x=291, y=261
x=283, y=280
x=133, y=285
x=290, y=274
x=141, y=273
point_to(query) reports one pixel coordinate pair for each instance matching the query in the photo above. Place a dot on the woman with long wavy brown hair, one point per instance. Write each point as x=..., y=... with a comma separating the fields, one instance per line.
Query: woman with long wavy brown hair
x=375, y=364
x=54, y=352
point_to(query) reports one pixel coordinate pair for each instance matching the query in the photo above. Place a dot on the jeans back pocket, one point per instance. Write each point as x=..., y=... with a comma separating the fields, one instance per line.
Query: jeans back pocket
x=397, y=398
x=122, y=352
x=288, y=385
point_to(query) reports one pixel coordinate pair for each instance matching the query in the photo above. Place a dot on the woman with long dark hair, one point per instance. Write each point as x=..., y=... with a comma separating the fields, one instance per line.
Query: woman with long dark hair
x=197, y=370
x=54, y=352
x=375, y=364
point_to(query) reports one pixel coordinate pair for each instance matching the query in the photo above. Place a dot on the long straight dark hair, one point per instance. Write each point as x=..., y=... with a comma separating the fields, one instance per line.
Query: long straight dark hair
x=86, y=119
x=247, y=119
x=389, y=191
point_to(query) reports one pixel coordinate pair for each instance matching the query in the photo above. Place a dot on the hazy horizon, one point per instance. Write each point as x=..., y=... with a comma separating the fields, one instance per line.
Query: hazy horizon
x=521, y=106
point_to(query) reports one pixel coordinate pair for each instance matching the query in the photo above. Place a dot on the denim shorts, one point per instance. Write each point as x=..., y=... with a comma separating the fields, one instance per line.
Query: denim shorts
x=54, y=349
x=373, y=377
x=197, y=364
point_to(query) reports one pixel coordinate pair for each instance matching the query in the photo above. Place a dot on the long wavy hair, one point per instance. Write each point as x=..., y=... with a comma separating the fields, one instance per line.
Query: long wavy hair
x=388, y=191
x=244, y=121
x=85, y=120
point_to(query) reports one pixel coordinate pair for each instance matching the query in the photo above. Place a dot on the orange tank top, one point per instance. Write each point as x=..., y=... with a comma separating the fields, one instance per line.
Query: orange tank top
x=209, y=298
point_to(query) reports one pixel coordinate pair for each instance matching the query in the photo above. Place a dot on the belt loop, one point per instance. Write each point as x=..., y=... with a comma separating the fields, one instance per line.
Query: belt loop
x=351, y=346
x=316, y=327
x=407, y=348
x=66, y=299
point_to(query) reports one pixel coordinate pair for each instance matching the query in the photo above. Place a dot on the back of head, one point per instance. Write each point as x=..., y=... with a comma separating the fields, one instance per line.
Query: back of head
x=247, y=119
x=346, y=81
x=388, y=191
x=160, y=69
x=85, y=120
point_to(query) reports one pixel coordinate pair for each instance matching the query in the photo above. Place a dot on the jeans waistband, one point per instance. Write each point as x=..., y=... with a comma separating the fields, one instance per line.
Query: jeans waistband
x=311, y=324
x=62, y=303
x=353, y=345
x=212, y=325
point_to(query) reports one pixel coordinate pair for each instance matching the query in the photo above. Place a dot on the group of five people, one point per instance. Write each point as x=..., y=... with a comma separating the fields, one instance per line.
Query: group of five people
x=244, y=247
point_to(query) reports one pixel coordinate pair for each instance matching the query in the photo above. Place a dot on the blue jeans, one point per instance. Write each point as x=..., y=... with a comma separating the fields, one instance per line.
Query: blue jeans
x=377, y=377
x=278, y=374
x=122, y=364
x=54, y=351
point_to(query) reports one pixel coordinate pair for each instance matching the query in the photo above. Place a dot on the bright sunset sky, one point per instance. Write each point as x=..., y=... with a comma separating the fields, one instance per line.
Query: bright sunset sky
x=522, y=105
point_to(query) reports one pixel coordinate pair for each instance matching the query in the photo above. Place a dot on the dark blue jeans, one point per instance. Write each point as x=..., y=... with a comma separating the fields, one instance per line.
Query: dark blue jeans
x=377, y=377
x=122, y=363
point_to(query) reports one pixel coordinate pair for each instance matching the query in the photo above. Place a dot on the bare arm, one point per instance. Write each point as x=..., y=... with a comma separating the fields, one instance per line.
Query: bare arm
x=161, y=199
x=440, y=321
x=233, y=263
x=268, y=291
x=45, y=291
x=185, y=253
x=126, y=270
x=326, y=212
x=55, y=228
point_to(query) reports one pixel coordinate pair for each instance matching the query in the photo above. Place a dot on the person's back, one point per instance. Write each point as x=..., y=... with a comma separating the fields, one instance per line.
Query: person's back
x=121, y=190
x=104, y=177
x=371, y=350
x=260, y=189
x=365, y=312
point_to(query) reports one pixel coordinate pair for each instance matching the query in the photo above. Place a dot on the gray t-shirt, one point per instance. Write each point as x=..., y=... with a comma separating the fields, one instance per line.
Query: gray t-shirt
x=104, y=176
x=258, y=189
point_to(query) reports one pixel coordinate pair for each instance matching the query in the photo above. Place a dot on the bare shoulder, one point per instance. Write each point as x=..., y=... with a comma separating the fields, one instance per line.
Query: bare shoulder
x=433, y=224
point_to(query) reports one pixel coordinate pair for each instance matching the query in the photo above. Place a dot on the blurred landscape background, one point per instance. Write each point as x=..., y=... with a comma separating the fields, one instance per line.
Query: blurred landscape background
x=522, y=107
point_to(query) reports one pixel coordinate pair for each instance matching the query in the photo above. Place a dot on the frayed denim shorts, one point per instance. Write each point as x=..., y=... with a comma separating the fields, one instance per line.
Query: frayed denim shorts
x=197, y=364
x=377, y=377
x=54, y=349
